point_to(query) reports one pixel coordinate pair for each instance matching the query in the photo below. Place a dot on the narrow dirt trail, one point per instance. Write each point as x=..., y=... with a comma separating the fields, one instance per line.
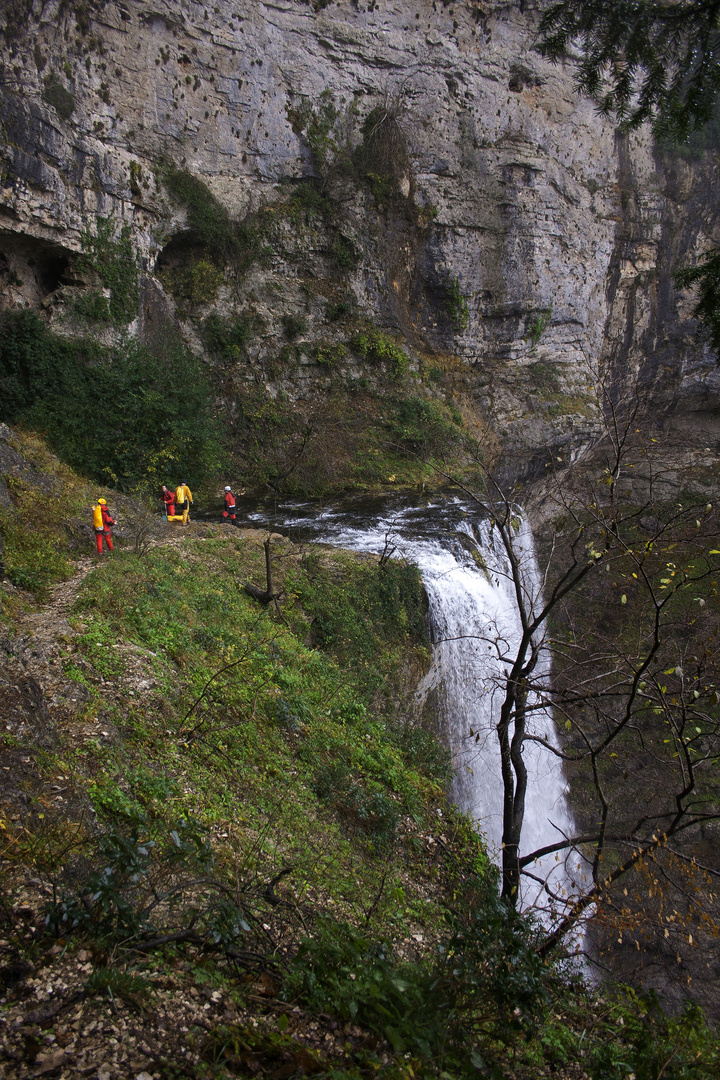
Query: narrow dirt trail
x=39, y=630
x=43, y=627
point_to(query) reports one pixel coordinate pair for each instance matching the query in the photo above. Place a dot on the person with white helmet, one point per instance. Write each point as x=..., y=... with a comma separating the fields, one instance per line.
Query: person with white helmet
x=101, y=523
x=229, y=508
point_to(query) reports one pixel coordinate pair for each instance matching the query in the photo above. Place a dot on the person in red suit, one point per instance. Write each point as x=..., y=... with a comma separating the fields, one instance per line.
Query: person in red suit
x=229, y=509
x=168, y=497
x=101, y=523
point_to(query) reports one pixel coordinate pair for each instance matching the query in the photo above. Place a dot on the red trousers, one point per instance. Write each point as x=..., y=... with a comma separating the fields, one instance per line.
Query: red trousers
x=99, y=534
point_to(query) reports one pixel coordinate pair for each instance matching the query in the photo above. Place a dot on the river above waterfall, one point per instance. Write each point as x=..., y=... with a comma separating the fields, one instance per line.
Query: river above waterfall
x=474, y=627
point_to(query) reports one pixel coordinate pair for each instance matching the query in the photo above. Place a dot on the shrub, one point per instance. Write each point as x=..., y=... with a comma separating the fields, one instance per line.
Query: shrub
x=344, y=252
x=121, y=416
x=456, y=305
x=308, y=198
x=320, y=126
x=56, y=95
x=198, y=282
x=293, y=326
x=338, y=310
x=208, y=220
x=376, y=346
x=538, y=327
x=328, y=353
x=114, y=261
x=356, y=618
x=227, y=338
x=342, y=971
x=653, y=1045
x=424, y=427
x=369, y=810
x=92, y=306
x=119, y=896
x=484, y=966
x=383, y=157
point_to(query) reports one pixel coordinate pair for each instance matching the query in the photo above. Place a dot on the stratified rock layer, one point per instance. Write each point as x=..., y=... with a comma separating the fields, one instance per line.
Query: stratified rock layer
x=557, y=234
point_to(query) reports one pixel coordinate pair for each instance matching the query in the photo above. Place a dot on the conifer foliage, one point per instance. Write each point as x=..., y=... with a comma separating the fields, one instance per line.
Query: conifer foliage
x=642, y=60
x=648, y=61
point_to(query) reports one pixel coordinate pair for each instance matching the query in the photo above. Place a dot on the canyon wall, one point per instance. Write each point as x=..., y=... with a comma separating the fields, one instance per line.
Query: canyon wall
x=524, y=253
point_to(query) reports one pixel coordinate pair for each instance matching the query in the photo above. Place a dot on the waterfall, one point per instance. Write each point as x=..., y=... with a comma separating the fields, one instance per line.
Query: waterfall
x=475, y=628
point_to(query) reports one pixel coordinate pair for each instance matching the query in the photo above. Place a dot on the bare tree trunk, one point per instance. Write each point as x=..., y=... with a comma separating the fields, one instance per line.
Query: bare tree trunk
x=266, y=596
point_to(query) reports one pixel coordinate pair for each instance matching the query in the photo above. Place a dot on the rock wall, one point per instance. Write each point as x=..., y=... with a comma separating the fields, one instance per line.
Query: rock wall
x=531, y=251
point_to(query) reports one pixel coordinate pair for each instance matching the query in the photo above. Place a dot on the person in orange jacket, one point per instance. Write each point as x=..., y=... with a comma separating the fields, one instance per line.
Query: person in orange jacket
x=101, y=523
x=183, y=498
x=229, y=508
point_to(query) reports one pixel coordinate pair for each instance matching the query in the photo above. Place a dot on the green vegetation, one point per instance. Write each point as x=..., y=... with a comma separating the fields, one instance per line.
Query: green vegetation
x=545, y=378
x=427, y=428
x=227, y=339
x=484, y=965
x=537, y=327
x=320, y=126
x=378, y=347
x=345, y=252
x=198, y=281
x=293, y=326
x=363, y=437
x=705, y=275
x=382, y=158
x=91, y=307
x=268, y=813
x=39, y=527
x=640, y=59
x=208, y=221
x=251, y=720
x=121, y=416
x=114, y=263
x=58, y=96
x=328, y=353
x=377, y=155
x=213, y=240
x=338, y=310
x=643, y=61
x=456, y=305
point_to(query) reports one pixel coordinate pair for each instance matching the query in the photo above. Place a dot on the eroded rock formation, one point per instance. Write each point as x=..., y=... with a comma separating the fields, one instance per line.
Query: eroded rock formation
x=526, y=248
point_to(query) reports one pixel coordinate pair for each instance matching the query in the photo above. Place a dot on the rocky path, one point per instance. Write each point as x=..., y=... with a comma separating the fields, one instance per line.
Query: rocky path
x=39, y=630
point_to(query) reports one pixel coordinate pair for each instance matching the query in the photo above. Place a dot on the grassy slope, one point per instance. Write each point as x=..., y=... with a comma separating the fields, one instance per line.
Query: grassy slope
x=227, y=777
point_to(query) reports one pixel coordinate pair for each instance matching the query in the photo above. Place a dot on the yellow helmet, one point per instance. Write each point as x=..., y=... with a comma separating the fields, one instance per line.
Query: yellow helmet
x=102, y=502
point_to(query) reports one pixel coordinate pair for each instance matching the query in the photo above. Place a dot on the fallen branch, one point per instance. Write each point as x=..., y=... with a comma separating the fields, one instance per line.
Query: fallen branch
x=41, y=1016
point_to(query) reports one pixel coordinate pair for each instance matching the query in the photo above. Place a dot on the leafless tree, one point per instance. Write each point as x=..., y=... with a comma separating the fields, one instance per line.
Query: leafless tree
x=629, y=617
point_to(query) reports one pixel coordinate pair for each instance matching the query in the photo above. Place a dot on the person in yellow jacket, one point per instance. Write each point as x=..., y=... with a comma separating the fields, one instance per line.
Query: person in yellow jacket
x=183, y=501
x=101, y=523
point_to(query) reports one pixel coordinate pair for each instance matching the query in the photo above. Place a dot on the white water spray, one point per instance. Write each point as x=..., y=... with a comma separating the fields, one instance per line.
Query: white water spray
x=476, y=629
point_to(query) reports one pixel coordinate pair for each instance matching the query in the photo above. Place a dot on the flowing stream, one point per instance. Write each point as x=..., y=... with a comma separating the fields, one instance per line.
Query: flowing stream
x=475, y=628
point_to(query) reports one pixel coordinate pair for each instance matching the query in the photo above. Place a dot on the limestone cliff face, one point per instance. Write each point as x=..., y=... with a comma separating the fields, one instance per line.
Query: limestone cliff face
x=530, y=249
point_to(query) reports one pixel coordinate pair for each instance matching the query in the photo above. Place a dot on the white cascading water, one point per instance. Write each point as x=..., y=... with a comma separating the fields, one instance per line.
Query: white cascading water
x=475, y=628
